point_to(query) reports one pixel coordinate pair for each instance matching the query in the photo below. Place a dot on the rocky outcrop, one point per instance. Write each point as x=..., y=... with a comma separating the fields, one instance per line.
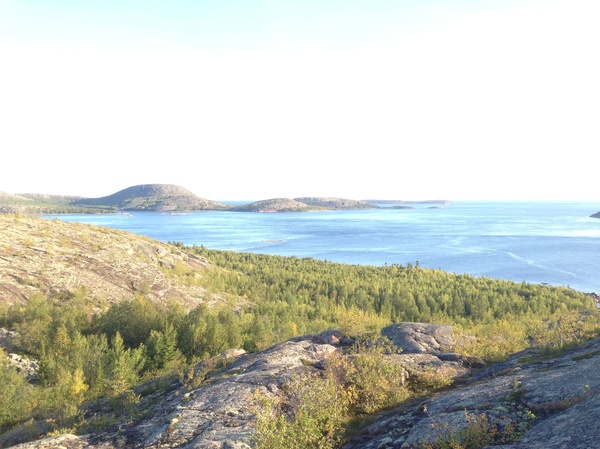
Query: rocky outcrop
x=211, y=408
x=596, y=215
x=415, y=338
x=544, y=403
x=58, y=258
x=24, y=365
x=221, y=414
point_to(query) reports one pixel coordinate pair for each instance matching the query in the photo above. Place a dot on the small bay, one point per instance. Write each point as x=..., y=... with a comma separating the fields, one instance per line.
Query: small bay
x=539, y=242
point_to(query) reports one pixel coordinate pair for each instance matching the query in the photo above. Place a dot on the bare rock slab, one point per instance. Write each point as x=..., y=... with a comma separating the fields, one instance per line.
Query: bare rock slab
x=414, y=338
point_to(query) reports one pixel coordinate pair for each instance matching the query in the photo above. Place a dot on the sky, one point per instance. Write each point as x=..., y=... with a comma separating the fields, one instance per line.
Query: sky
x=256, y=99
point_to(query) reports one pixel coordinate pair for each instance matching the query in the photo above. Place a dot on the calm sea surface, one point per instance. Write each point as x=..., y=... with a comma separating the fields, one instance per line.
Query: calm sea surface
x=541, y=242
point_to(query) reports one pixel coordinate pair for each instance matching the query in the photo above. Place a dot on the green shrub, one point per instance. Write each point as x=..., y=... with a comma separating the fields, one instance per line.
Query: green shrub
x=317, y=406
x=311, y=415
x=16, y=396
x=369, y=380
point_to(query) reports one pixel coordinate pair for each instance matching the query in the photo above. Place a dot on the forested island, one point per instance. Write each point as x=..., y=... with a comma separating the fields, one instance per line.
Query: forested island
x=119, y=340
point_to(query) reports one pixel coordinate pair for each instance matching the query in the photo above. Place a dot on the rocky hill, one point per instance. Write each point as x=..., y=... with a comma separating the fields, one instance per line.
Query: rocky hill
x=528, y=402
x=304, y=204
x=335, y=203
x=58, y=258
x=276, y=205
x=161, y=197
x=596, y=215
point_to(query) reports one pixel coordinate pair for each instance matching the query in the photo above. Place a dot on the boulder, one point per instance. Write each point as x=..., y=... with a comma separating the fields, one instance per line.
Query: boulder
x=7, y=339
x=414, y=338
x=28, y=367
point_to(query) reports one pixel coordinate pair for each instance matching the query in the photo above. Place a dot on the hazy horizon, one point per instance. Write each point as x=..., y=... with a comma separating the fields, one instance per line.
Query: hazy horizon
x=418, y=99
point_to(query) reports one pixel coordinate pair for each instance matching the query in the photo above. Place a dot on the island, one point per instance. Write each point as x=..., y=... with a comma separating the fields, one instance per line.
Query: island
x=303, y=204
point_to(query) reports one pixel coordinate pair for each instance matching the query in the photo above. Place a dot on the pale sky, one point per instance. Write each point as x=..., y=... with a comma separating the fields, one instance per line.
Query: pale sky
x=249, y=99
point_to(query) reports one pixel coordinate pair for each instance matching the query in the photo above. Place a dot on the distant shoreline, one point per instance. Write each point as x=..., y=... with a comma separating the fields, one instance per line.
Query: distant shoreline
x=409, y=202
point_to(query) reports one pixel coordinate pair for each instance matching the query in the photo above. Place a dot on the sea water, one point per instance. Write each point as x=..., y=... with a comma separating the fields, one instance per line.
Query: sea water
x=536, y=242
